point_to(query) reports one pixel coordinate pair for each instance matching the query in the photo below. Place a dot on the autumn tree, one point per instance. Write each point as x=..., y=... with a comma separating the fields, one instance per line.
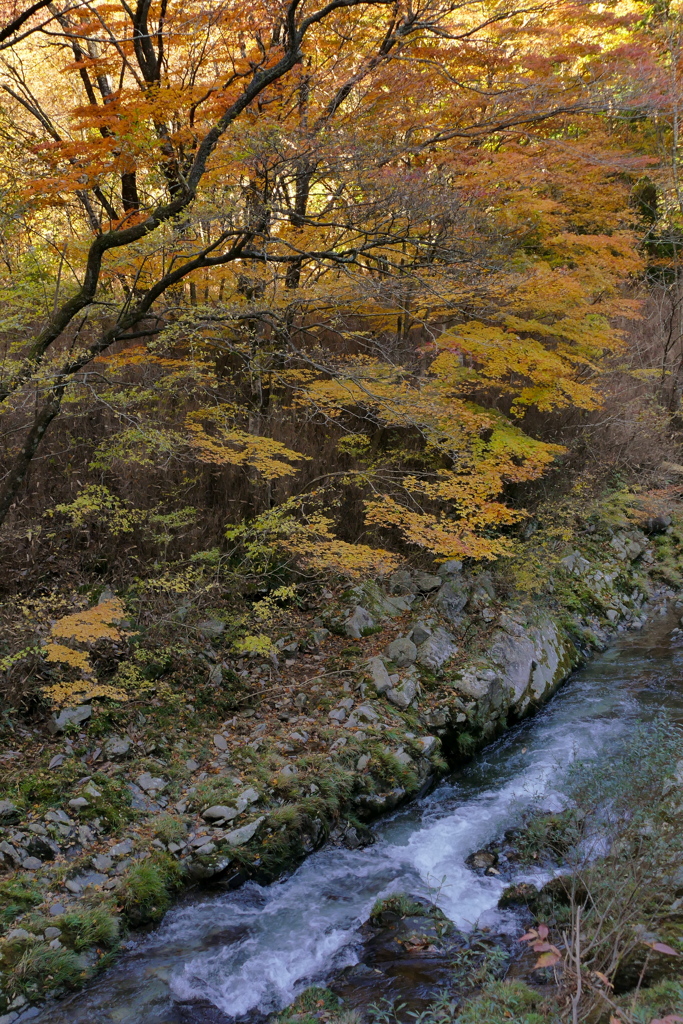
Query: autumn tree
x=400, y=221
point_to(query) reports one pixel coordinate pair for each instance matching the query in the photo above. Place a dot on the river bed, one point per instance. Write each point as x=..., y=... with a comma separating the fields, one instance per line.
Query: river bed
x=244, y=954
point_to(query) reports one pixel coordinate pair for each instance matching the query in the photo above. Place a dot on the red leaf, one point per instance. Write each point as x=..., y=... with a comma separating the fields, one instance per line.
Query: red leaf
x=661, y=947
x=543, y=931
x=541, y=947
x=528, y=936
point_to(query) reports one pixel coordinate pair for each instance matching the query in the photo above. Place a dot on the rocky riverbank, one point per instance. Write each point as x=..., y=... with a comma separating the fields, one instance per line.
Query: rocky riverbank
x=108, y=812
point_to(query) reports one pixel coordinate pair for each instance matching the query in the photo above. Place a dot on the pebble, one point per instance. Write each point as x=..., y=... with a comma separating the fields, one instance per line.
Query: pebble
x=79, y=803
x=220, y=742
x=102, y=862
x=191, y=765
x=52, y=933
x=31, y=864
x=57, y=909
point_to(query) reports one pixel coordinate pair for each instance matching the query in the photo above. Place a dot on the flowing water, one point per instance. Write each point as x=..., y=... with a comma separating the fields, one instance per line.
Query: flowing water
x=249, y=952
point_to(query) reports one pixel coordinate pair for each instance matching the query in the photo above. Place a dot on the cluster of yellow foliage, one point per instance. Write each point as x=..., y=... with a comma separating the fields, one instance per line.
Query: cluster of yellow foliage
x=83, y=629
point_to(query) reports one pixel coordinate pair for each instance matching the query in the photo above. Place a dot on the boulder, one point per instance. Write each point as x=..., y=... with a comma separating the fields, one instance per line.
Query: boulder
x=451, y=599
x=101, y=862
x=419, y=633
x=121, y=849
x=436, y=649
x=116, y=747
x=401, y=582
x=9, y=812
x=481, y=859
x=426, y=582
x=358, y=622
x=201, y=870
x=58, y=723
x=402, y=652
x=450, y=568
x=219, y=812
x=428, y=744
x=79, y=803
x=240, y=836
x=378, y=673
x=150, y=784
x=248, y=796
x=404, y=694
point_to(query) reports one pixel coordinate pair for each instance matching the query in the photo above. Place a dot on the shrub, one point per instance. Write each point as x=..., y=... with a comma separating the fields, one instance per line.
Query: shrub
x=91, y=926
x=145, y=894
x=40, y=968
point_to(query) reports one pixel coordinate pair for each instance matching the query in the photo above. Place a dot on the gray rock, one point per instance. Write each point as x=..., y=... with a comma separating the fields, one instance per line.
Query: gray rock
x=426, y=582
x=199, y=870
x=436, y=719
x=85, y=835
x=58, y=723
x=79, y=803
x=366, y=712
x=18, y=934
x=31, y=864
x=8, y=812
x=211, y=628
x=150, y=784
x=575, y=563
x=219, y=812
x=401, y=582
x=248, y=796
x=92, y=791
x=403, y=695
x=451, y=599
x=612, y=614
x=378, y=673
x=10, y=852
x=428, y=744
x=122, y=849
x=220, y=742
x=402, y=652
x=362, y=762
x=402, y=756
x=240, y=836
x=52, y=933
x=116, y=747
x=476, y=681
x=102, y=862
x=84, y=881
x=216, y=676
x=191, y=764
x=206, y=850
x=436, y=649
x=57, y=761
x=358, y=622
x=57, y=909
x=319, y=635
x=337, y=715
x=450, y=568
x=59, y=817
x=419, y=633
